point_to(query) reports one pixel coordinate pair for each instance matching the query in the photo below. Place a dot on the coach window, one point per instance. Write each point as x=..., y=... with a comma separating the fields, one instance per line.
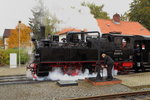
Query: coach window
x=118, y=41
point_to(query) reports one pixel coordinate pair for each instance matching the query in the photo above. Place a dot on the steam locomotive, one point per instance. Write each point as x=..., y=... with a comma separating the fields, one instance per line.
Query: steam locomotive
x=82, y=50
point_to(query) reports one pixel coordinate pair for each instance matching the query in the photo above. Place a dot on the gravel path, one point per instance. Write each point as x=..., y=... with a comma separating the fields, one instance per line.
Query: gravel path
x=135, y=79
x=12, y=71
x=51, y=91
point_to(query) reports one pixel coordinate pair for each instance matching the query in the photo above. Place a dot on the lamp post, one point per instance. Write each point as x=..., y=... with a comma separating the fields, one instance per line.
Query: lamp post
x=19, y=40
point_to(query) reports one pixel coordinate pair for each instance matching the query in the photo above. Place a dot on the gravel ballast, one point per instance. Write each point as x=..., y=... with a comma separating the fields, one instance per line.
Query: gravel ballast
x=51, y=91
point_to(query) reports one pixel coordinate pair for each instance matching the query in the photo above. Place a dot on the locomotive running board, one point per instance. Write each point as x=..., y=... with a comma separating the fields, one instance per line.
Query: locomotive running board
x=67, y=83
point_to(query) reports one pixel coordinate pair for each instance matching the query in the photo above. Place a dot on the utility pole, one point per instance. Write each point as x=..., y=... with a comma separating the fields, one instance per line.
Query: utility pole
x=19, y=40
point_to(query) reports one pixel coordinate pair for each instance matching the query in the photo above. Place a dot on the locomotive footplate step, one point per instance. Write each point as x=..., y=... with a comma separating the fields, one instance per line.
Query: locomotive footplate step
x=67, y=83
x=94, y=81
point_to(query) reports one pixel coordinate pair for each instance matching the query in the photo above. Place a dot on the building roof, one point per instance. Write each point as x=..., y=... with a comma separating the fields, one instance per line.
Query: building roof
x=7, y=33
x=64, y=31
x=124, y=27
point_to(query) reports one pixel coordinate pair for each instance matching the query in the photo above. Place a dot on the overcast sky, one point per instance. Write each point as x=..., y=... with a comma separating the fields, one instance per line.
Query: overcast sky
x=14, y=10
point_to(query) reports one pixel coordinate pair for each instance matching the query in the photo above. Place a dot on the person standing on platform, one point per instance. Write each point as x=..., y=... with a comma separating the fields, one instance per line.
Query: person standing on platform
x=98, y=70
x=109, y=62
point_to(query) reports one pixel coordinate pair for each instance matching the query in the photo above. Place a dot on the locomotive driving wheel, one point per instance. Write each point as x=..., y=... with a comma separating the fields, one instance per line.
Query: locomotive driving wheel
x=89, y=67
x=41, y=71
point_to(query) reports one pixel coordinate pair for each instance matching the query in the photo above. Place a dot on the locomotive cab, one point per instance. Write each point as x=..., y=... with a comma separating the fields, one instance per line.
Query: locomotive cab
x=123, y=46
x=123, y=53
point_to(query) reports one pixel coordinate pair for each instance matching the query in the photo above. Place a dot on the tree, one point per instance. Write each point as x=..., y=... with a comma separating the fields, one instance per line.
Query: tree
x=124, y=17
x=41, y=17
x=140, y=11
x=1, y=42
x=97, y=11
x=37, y=20
x=13, y=40
x=49, y=24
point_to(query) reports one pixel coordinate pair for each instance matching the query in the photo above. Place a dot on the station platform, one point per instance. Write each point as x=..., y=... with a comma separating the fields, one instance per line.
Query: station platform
x=103, y=82
x=135, y=80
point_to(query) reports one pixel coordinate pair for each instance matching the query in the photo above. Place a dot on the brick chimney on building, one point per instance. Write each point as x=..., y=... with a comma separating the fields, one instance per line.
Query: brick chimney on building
x=116, y=18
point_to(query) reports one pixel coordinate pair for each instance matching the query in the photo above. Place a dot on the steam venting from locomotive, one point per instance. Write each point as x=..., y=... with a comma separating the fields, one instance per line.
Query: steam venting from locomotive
x=57, y=74
x=71, y=14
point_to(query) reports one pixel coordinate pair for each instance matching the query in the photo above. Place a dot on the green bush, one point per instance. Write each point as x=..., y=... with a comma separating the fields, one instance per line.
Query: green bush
x=4, y=56
x=24, y=57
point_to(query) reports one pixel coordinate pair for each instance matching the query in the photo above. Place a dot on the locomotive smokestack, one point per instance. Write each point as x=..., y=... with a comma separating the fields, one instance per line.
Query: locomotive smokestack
x=42, y=32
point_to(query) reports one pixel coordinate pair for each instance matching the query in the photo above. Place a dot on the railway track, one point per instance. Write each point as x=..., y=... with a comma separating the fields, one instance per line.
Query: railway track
x=144, y=95
x=16, y=79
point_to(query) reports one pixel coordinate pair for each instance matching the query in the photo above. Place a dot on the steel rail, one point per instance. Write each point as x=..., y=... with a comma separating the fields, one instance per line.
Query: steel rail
x=18, y=79
x=113, y=96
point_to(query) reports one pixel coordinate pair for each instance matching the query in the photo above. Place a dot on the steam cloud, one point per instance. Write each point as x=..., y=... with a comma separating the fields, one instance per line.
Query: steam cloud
x=71, y=14
x=57, y=74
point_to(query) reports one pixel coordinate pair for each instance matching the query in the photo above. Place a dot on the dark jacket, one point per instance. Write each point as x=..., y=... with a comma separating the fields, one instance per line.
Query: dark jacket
x=108, y=60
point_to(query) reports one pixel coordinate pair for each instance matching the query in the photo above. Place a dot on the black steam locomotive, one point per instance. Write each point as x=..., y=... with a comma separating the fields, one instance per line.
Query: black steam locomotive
x=81, y=50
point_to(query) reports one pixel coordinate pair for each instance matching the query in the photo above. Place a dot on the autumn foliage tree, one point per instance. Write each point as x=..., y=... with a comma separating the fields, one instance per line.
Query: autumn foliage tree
x=1, y=42
x=13, y=40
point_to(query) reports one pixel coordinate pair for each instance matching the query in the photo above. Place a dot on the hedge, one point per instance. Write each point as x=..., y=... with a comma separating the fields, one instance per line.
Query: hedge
x=4, y=56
